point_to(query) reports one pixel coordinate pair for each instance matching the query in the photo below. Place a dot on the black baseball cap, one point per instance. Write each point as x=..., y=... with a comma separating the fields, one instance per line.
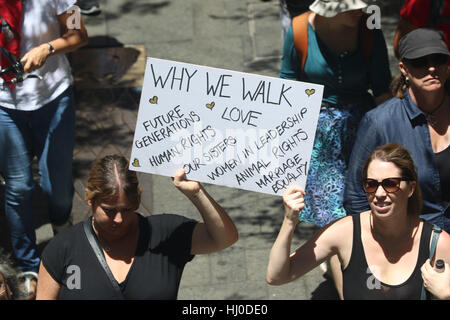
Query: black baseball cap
x=422, y=42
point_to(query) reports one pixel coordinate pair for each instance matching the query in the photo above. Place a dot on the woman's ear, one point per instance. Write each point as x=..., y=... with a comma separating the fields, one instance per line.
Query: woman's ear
x=403, y=69
x=89, y=202
x=412, y=186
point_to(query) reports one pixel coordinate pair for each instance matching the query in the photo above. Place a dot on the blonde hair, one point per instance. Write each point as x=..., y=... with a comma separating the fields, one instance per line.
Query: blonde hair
x=109, y=176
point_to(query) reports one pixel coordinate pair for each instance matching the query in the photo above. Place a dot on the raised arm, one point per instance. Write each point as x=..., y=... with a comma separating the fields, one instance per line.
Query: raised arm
x=217, y=231
x=285, y=267
x=280, y=268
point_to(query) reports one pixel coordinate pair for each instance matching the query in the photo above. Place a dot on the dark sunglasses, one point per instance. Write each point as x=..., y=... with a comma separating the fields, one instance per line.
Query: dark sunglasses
x=389, y=185
x=433, y=60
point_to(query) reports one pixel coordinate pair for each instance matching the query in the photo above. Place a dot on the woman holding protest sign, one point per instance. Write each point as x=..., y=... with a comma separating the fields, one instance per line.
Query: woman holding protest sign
x=138, y=257
x=331, y=45
x=383, y=248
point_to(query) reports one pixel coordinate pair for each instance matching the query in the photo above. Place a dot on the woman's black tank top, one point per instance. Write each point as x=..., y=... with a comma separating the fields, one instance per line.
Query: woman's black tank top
x=360, y=284
x=442, y=161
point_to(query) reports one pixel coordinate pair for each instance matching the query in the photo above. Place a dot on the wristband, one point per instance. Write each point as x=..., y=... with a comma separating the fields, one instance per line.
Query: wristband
x=50, y=48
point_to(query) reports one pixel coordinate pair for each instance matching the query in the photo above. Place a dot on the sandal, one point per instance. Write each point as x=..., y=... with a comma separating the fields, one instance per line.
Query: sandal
x=28, y=289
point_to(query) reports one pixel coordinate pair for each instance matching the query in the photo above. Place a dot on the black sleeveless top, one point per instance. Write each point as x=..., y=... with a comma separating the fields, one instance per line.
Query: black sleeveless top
x=360, y=284
x=442, y=160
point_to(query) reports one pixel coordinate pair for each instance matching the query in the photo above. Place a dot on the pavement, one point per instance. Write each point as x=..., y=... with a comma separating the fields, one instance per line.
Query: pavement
x=240, y=35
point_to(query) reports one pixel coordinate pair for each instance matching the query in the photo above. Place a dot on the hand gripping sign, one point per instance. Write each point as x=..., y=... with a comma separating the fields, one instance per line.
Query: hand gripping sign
x=225, y=127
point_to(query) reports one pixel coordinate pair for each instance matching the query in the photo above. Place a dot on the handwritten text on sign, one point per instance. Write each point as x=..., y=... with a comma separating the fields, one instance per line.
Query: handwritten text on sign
x=225, y=127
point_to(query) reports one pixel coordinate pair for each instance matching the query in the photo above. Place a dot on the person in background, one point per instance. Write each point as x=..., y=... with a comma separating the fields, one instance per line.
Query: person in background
x=420, y=14
x=382, y=249
x=143, y=256
x=348, y=59
x=37, y=119
x=433, y=14
x=420, y=121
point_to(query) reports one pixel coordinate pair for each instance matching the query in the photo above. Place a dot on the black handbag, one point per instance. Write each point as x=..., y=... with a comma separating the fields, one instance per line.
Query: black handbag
x=101, y=258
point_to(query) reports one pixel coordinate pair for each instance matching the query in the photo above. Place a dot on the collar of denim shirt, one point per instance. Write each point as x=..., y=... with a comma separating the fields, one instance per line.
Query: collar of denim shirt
x=413, y=110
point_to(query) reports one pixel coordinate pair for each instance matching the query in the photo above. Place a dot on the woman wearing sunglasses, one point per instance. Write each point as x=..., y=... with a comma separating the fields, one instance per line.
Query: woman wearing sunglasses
x=419, y=121
x=381, y=250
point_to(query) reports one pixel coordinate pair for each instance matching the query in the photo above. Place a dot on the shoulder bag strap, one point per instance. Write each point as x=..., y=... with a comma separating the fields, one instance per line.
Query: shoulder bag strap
x=300, y=35
x=99, y=254
x=436, y=232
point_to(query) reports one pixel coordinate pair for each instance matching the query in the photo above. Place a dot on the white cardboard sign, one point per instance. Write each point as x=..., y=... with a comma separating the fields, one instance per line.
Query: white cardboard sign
x=225, y=127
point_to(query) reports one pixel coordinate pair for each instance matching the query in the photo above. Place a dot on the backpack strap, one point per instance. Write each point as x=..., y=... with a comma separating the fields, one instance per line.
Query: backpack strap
x=436, y=232
x=300, y=35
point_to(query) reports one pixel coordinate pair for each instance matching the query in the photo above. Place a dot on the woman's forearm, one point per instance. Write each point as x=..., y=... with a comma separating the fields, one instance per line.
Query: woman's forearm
x=68, y=42
x=279, y=267
x=219, y=226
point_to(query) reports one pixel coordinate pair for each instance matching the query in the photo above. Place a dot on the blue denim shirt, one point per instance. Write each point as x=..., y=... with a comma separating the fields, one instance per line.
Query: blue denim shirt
x=402, y=122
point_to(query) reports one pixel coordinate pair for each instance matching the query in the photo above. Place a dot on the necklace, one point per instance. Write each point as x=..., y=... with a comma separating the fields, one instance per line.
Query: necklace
x=431, y=118
x=107, y=249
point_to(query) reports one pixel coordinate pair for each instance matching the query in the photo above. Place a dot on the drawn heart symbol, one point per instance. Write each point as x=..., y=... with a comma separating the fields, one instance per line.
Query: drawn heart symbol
x=211, y=105
x=154, y=100
x=310, y=92
x=136, y=163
